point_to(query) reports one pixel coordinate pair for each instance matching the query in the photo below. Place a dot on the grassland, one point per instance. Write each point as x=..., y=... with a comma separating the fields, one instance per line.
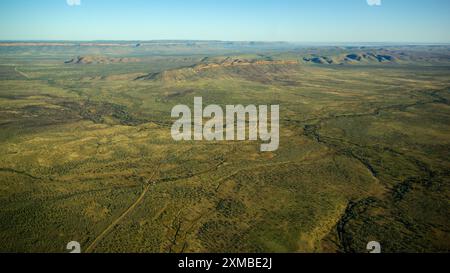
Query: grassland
x=86, y=153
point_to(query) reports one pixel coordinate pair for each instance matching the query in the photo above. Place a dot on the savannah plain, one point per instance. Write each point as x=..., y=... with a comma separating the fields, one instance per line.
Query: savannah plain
x=86, y=152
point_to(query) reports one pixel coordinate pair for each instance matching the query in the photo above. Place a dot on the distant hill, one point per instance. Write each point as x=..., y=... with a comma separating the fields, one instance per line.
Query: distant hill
x=233, y=62
x=228, y=65
x=355, y=58
x=100, y=60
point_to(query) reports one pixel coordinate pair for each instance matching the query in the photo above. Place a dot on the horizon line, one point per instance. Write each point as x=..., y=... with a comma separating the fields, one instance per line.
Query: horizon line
x=222, y=41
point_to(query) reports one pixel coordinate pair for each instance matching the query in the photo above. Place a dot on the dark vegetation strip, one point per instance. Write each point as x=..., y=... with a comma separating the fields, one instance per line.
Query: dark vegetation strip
x=353, y=210
x=19, y=172
x=428, y=178
x=191, y=175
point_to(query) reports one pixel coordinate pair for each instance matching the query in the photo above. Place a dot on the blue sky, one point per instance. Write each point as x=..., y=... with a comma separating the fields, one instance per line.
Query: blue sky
x=418, y=21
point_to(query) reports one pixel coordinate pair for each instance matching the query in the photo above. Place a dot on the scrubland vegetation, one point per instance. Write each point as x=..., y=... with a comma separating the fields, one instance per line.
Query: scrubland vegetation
x=86, y=152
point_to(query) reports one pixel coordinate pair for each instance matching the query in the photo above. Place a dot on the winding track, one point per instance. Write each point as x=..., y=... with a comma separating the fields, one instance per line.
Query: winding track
x=105, y=232
x=21, y=73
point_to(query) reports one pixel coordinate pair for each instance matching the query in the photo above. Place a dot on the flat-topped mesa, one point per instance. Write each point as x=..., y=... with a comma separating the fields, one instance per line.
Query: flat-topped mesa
x=231, y=62
x=365, y=58
x=100, y=60
x=178, y=74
